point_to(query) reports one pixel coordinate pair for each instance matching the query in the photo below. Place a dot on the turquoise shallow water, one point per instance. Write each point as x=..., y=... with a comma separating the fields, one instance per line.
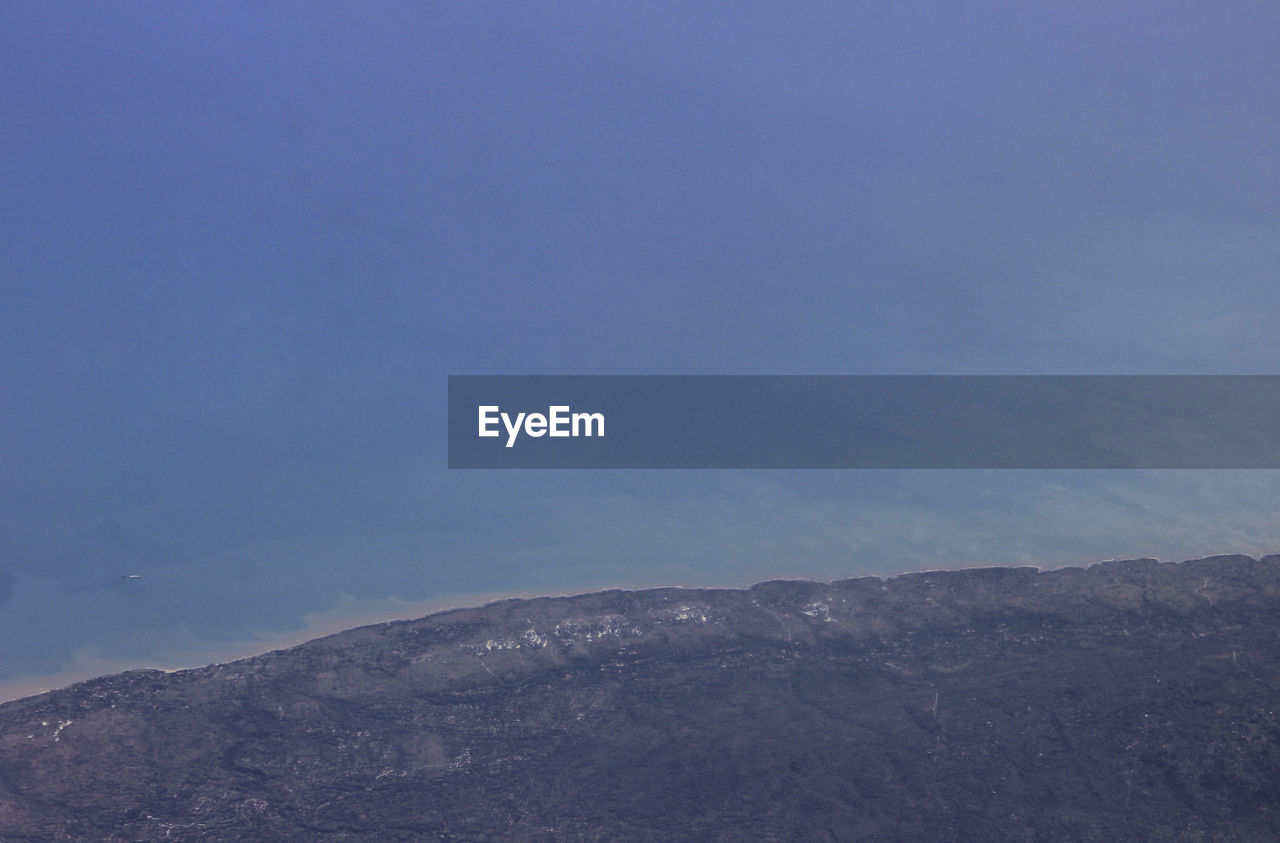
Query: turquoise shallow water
x=640, y=530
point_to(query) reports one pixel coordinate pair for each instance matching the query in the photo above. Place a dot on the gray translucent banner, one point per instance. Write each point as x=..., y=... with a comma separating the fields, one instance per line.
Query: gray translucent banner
x=872, y=421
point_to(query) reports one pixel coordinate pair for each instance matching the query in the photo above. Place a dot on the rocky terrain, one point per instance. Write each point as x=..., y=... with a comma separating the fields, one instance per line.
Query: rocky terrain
x=1125, y=701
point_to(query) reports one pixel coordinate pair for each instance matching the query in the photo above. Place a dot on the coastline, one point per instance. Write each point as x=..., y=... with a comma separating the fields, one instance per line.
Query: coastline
x=353, y=613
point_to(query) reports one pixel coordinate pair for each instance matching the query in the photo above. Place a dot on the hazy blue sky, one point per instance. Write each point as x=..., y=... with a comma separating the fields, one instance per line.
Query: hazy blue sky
x=242, y=245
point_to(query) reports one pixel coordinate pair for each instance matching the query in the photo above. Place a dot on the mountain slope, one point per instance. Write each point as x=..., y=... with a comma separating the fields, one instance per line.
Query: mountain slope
x=1128, y=700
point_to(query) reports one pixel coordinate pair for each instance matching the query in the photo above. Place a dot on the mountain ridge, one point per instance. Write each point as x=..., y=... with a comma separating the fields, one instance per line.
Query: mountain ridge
x=790, y=709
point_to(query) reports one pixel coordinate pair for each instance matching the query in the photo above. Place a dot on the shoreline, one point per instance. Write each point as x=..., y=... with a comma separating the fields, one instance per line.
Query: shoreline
x=344, y=617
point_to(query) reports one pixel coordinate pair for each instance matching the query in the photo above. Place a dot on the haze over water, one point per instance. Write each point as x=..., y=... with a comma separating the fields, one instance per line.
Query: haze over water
x=243, y=244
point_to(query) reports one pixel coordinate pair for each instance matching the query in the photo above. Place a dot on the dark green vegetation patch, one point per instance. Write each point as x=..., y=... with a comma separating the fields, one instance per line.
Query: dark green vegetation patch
x=1131, y=700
